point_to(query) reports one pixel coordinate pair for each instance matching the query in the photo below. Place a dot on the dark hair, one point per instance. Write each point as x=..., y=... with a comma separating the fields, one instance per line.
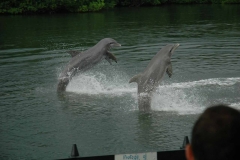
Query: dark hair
x=216, y=134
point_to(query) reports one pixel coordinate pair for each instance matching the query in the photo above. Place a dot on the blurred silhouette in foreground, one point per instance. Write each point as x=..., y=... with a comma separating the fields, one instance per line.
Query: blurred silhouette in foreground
x=215, y=135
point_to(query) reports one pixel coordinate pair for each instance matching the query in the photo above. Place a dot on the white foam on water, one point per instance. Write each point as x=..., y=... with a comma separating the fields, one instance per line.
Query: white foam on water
x=176, y=100
x=183, y=97
x=235, y=105
x=205, y=82
x=99, y=83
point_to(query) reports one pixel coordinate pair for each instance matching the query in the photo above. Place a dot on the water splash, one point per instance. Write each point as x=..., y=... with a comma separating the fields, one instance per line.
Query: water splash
x=206, y=82
x=172, y=99
x=183, y=97
x=94, y=83
x=190, y=97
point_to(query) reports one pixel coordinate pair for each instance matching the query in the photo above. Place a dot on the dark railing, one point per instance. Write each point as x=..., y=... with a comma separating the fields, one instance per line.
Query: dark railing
x=162, y=155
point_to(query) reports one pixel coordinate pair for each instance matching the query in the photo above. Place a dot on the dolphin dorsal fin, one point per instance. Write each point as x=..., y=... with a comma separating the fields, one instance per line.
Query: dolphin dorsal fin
x=135, y=78
x=74, y=53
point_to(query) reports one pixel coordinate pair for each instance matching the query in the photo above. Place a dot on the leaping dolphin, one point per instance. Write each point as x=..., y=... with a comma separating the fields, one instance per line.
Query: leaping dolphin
x=151, y=77
x=81, y=61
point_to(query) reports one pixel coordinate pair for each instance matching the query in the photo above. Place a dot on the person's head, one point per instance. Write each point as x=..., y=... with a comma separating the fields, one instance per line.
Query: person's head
x=216, y=135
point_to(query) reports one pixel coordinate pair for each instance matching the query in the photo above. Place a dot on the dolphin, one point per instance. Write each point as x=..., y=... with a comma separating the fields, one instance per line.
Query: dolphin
x=151, y=77
x=82, y=61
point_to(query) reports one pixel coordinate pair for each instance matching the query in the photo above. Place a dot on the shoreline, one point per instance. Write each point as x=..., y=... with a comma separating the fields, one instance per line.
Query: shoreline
x=38, y=9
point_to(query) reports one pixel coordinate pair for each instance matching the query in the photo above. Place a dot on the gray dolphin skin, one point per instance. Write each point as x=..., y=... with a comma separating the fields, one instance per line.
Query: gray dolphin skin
x=151, y=77
x=82, y=61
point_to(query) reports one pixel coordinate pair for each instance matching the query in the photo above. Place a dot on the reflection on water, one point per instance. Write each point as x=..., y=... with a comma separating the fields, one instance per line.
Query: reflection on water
x=99, y=111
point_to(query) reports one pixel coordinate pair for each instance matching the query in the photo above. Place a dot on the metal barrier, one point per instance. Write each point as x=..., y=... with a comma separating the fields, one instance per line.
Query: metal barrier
x=162, y=155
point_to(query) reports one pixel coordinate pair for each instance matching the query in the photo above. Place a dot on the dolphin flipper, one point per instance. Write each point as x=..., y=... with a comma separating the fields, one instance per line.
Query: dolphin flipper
x=107, y=58
x=74, y=53
x=110, y=56
x=135, y=78
x=169, y=70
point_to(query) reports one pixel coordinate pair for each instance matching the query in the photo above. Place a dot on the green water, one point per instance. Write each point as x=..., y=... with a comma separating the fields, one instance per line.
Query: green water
x=99, y=111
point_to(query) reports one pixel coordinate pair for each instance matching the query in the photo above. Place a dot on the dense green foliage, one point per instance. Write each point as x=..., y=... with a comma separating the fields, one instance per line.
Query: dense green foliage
x=50, y=6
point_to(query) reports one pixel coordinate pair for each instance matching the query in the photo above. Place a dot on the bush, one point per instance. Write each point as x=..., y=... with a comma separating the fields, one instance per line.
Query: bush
x=96, y=6
x=110, y=3
x=49, y=6
x=83, y=8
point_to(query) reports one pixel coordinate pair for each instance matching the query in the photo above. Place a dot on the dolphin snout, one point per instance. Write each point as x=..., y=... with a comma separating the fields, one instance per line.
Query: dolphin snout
x=116, y=45
x=175, y=46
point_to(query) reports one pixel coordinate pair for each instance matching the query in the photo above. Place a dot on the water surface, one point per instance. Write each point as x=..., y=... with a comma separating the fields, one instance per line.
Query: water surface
x=99, y=111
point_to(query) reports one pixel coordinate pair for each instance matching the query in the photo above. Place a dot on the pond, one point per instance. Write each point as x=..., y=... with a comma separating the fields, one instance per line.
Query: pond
x=99, y=111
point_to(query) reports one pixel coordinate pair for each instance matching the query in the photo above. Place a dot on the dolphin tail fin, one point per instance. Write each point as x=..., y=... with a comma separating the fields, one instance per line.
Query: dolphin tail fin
x=169, y=70
x=135, y=78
